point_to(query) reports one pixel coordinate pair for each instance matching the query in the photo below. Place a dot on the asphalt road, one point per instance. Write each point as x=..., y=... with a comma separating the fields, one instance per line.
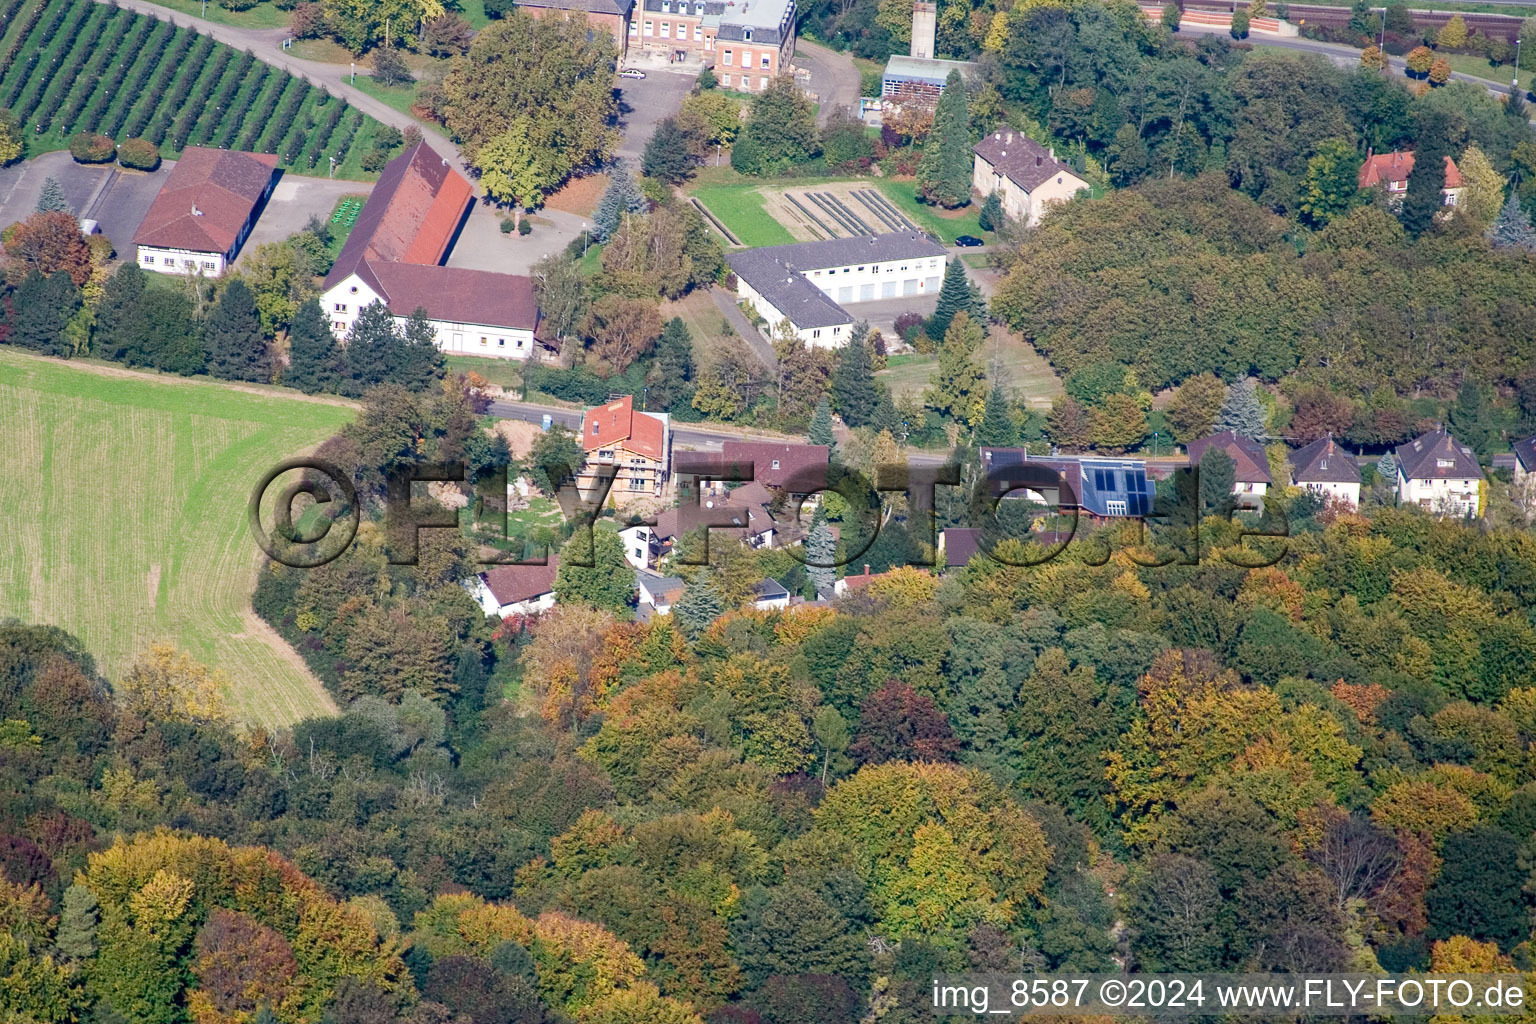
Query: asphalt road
x=834, y=79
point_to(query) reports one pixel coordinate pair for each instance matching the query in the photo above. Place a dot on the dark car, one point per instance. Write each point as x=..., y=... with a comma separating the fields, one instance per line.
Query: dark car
x=968, y=241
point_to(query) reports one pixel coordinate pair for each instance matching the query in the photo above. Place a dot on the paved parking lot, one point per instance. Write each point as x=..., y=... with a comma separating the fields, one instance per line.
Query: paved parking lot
x=293, y=201
x=115, y=197
x=644, y=102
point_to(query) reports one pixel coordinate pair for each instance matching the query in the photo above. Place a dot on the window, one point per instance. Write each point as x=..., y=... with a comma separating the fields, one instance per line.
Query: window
x=519, y=342
x=149, y=260
x=482, y=342
x=815, y=334
x=209, y=266
x=727, y=60
x=747, y=35
x=606, y=453
x=341, y=307
x=762, y=84
x=725, y=80
x=1444, y=463
x=354, y=289
x=746, y=58
x=698, y=32
x=861, y=270
x=766, y=59
x=501, y=342
x=666, y=30
x=666, y=5
x=837, y=330
x=338, y=326
x=1115, y=508
x=594, y=429
x=775, y=463
x=634, y=28
x=650, y=28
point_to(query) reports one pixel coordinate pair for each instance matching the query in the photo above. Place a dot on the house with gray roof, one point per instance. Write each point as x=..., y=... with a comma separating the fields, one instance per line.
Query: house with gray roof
x=1525, y=459
x=1026, y=175
x=1439, y=474
x=810, y=283
x=1325, y=468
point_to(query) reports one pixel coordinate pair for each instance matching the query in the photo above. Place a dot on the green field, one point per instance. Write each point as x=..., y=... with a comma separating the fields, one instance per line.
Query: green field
x=738, y=202
x=126, y=523
x=60, y=75
x=399, y=97
x=1027, y=372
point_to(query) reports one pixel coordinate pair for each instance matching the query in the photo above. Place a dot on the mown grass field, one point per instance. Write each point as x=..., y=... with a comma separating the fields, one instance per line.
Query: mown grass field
x=70, y=66
x=124, y=505
x=1026, y=371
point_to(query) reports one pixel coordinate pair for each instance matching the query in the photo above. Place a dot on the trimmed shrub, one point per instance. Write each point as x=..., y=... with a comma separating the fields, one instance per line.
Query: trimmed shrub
x=525, y=227
x=89, y=148
x=140, y=154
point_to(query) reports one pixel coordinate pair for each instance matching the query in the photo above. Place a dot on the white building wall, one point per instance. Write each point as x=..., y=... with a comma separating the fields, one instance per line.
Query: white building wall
x=349, y=297
x=1025, y=207
x=1346, y=492
x=871, y=282
x=182, y=262
x=1456, y=496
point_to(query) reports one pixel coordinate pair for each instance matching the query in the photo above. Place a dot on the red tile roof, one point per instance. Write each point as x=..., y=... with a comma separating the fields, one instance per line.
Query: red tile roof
x=1390, y=167
x=207, y=199
x=1250, y=462
x=798, y=462
x=617, y=424
x=510, y=584
x=457, y=295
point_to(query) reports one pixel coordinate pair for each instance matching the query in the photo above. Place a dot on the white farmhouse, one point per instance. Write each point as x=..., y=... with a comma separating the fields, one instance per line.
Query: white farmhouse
x=809, y=283
x=1026, y=175
x=1325, y=468
x=505, y=590
x=1439, y=474
x=205, y=211
x=394, y=256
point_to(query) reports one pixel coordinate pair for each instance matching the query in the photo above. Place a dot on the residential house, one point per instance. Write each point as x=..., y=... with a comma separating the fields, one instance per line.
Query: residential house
x=394, y=255
x=1103, y=487
x=658, y=593
x=1525, y=459
x=747, y=42
x=1439, y=474
x=741, y=514
x=770, y=595
x=637, y=444
x=958, y=545
x=505, y=590
x=1326, y=468
x=795, y=469
x=808, y=283
x=1250, y=464
x=1026, y=175
x=204, y=211
x=1389, y=171
x=614, y=16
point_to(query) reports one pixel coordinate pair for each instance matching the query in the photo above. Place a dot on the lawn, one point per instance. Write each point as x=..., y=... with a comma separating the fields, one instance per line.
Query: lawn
x=1029, y=376
x=903, y=195
x=506, y=372
x=264, y=15
x=131, y=525
x=741, y=209
x=400, y=97
x=172, y=86
x=706, y=325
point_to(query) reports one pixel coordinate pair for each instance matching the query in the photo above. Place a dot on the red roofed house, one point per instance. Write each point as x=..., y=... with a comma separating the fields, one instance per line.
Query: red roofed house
x=639, y=444
x=204, y=211
x=1391, y=170
x=515, y=589
x=394, y=255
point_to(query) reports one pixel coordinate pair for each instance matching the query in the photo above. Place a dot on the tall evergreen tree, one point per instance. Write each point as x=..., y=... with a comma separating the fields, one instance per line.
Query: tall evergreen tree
x=174, y=333
x=780, y=132
x=944, y=172
x=821, y=425
x=1512, y=228
x=853, y=383
x=52, y=198
x=1386, y=467
x=1468, y=419
x=608, y=582
x=372, y=349
x=666, y=156
x=1426, y=181
x=700, y=605
x=954, y=295
x=820, y=551
x=44, y=306
x=1218, y=475
x=997, y=428
x=991, y=217
x=122, y=330
x=671, y=377
x=236, y=348
x=419, y=363
x=314, y=357
x=620, y=197
x=1242, y=413
x=76, y=937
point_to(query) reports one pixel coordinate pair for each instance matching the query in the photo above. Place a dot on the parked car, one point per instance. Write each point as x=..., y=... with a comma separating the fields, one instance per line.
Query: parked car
x=631, y=73
x=968, y=241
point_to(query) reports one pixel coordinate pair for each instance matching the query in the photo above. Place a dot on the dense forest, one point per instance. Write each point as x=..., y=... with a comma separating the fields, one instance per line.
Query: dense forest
x=786, y=817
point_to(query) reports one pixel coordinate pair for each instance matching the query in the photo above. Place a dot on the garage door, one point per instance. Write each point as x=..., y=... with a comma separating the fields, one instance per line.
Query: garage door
x=909, y=286
x=887, y=289
x=867, y=292
x=845, y=293
x=932, y=284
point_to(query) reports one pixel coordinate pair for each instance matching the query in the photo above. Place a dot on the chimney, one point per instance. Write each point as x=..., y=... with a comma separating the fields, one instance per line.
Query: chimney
x=1039, y=159
x=925, y=21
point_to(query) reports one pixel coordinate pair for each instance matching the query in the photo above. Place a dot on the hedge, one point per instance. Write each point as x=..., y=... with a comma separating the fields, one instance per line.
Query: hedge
x=140, y=154
x=89, y=148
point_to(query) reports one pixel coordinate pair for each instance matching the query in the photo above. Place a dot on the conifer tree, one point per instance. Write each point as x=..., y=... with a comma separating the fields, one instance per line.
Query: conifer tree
x=1242, y=413
x=954, y=295
x=76, y=937
x=666, y=156
x=621, y=196
x=1218, y=475
x=957, y=381
x=419, y=363
x=820, y=551
x=671, y=377
x=1386, y=467
x=121, y=327
x=821, y=424
x=997, y=428
x=43, y=307
x=1426, y=182
x=700, y=605
x=1512, y=228
x=991, y=216
x=944, y=172
x=372, y=349
x=235, y=346
x=853, y=383
x=52, y=198
x=314, y=357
